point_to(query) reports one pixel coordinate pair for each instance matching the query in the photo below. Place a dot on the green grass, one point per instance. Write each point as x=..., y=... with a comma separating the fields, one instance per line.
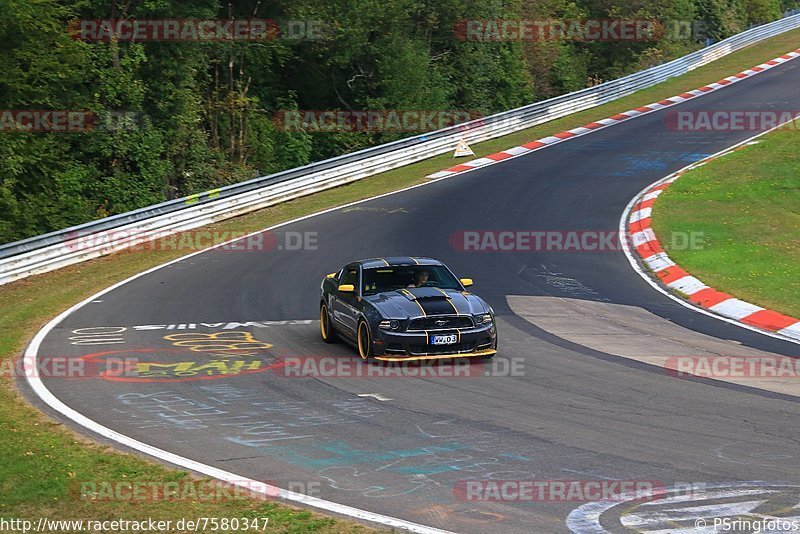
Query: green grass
x=747, y=207
x=40, y=457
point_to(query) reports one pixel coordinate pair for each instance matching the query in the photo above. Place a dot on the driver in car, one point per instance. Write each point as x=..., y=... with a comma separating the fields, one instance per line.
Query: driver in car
x=421, y=279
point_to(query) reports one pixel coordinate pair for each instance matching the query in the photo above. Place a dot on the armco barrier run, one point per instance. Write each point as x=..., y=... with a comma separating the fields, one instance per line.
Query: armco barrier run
x=58, y=249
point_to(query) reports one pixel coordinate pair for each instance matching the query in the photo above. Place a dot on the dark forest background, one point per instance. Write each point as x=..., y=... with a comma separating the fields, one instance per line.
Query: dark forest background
x=203, y=111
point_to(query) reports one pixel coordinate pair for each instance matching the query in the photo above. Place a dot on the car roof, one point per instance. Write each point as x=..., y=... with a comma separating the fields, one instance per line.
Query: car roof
x=397, y=261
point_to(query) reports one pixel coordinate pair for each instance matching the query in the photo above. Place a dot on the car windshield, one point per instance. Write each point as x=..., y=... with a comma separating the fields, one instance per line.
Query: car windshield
x=390, y=278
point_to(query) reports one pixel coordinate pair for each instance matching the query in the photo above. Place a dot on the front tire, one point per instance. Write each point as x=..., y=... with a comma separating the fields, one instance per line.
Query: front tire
x=325, y=326
x=364, y=338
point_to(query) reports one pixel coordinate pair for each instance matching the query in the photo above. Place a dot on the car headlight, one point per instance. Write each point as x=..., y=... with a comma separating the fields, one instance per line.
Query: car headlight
x=483, y=318
x=392, y=324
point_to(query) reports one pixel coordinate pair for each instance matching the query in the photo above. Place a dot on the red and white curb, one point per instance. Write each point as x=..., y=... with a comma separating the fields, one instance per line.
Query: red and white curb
x=611, y=121
x=644, y=241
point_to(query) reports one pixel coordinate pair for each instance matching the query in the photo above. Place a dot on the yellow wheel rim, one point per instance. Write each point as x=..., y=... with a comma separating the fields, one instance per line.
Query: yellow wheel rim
x=363, y=339
x=323, y=322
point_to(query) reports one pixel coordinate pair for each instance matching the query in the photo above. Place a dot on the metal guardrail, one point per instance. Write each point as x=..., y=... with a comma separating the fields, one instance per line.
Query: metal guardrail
x=80, y=243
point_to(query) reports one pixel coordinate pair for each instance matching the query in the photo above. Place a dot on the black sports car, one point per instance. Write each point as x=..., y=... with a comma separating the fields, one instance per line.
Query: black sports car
x=405, y=308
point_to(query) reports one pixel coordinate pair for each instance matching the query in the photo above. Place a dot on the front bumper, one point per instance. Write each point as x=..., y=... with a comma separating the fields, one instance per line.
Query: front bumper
x=402, y=346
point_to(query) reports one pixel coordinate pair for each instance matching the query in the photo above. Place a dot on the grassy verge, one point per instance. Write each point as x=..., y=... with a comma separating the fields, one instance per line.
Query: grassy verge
x=746, y=206
x=41, y=457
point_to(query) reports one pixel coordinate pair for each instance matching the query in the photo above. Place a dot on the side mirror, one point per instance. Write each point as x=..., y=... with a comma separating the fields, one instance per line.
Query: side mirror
x=466, y=282
x=347, y=288
x=331, y=275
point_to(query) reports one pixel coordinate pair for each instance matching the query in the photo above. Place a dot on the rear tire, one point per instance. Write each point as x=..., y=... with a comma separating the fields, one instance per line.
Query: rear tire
x=325, y=326
x=364, y=340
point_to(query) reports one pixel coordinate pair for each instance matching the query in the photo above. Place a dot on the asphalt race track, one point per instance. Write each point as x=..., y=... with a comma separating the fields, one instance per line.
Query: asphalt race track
x=557, y=403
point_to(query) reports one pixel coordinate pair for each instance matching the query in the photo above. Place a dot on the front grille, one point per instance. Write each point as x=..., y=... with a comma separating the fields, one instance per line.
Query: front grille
x=442, y=349
x=435, y=322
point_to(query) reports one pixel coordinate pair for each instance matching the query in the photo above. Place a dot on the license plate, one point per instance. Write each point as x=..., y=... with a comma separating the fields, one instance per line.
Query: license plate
x=449, y=339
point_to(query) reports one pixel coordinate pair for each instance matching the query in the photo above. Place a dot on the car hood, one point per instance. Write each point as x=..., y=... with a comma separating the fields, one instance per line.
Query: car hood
x=412, y=302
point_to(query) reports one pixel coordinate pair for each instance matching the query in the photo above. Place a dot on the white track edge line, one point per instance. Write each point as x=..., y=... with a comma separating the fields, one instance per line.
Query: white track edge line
x=633, y=258
x=35, y=382
x=31, y=353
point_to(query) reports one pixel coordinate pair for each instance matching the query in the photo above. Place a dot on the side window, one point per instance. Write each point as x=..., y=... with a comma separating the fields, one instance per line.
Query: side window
x=349, y=276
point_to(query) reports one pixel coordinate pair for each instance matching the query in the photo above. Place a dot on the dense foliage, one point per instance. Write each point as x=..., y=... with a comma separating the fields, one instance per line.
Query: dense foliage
x=202, y=114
